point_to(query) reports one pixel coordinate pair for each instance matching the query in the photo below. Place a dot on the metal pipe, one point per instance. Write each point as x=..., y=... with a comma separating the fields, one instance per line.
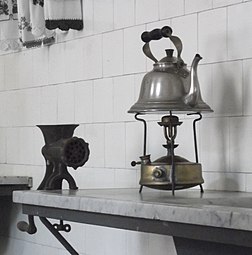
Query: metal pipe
x=195, y=134
x=195, y=141
x=145, y=132
x=172, y=158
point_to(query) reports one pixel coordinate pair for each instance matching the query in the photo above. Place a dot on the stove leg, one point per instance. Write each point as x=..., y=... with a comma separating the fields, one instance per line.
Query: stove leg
x=186, y=246
x=201, y=188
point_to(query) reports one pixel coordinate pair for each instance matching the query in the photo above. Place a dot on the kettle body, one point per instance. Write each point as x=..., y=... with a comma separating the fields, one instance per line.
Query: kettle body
x=170, y=86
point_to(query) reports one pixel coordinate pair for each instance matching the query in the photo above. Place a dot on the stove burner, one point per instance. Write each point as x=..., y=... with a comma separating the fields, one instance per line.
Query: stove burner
x=170, y=172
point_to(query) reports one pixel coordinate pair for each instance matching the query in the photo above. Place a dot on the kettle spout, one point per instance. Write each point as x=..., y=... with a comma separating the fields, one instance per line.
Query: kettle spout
x=193, y=95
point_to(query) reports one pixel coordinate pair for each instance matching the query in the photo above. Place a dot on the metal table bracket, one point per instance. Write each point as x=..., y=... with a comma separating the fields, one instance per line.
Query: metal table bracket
x=53, y=229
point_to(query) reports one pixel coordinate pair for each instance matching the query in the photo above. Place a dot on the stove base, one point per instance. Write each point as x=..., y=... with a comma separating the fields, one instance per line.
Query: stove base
x=157, y=175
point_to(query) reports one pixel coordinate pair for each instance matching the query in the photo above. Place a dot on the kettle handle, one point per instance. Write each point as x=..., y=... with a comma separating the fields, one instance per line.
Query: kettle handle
x=157, y=34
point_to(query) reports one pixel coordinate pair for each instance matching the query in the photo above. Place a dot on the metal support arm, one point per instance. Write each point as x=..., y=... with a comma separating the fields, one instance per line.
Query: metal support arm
x=55, y=229
x=56, y=233
x=195, y=140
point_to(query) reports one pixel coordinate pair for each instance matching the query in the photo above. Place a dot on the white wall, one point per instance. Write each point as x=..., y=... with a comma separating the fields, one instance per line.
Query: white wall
x=92, y=78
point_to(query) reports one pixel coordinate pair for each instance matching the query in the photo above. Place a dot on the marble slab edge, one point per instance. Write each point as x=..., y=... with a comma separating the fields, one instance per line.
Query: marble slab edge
x=206, y=215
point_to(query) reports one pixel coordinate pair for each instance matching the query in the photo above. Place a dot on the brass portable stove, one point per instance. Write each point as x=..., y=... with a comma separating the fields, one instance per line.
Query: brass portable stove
x=169, y=87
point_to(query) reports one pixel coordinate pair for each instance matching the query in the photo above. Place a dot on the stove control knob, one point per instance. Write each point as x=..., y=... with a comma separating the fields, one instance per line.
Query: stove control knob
x=158, y=172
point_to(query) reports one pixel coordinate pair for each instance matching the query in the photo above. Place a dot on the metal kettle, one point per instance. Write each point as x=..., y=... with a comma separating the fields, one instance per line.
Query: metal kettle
x=170, y=86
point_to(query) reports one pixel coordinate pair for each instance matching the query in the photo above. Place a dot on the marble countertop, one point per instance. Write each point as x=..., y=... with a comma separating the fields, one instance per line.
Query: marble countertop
x=232, y=210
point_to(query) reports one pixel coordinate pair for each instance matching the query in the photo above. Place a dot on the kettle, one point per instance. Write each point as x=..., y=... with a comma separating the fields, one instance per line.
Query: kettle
x=170, y=86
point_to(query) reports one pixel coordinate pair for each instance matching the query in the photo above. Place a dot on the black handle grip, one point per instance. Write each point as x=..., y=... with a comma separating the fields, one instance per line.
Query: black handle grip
x=134, y=163
x=156, y=34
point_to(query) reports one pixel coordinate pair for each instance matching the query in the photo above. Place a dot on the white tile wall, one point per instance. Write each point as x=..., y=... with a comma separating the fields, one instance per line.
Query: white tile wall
x=225, y=181
x=155, y=140
x=83, y=108
x=126, y=179
x=88, y=14
x=92, y=57
x=92, y=77
x=185, y=133
x=74, y=64
x=3, y=138
x=103, y=16
x=146, y=11
x=94, y=135
x=138, y=82
x=66, y=103
x=115, y=148
x=219, y=3
x=3, y=109
x=57, y=64
x=25, y=77
x=22, y=248
x=240, y=145
x=124, y=97
x=171, y=8
x=40, y=67
x=11, y=71
x=22, y=107
x=205, y=76
x=197, y=5
x=103, y=100
x=12, y=150
x=99, y=241
x=85, y=177
x=137, y=243
x=103, y=179
x=227, y=88
x=124, y=13
x=239, y=28
x=1, y=75
x=10, y=110
x=38, y=143
x=213, y=39
x=186, y=28
x=163, y=242
x=214, y=144
x=247, y=91
x=134, y=142
x=49, y=105
x=29, y=110
x=113, y=53
x=26, y=146
x=134, y=60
